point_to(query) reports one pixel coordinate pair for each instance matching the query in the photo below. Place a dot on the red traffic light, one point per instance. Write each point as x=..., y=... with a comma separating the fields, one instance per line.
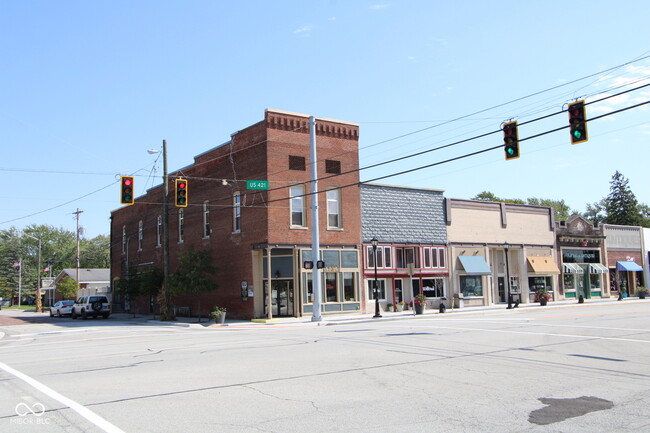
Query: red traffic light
x=126, y=190
x=181, y=192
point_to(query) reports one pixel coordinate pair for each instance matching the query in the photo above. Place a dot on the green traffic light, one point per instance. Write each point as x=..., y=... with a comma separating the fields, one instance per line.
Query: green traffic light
x=577, y=134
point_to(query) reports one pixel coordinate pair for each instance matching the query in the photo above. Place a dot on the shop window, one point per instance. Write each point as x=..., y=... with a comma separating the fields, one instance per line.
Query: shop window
x=433, y=287
x=349, y=290
x=349, y=259
x=471, y=285
x=381, y=285
x=331, y=287
x=595, y=281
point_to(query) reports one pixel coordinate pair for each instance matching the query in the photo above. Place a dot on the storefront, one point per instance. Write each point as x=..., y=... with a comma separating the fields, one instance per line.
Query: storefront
x=582, y=273
x=542, y=271
x=291, y=285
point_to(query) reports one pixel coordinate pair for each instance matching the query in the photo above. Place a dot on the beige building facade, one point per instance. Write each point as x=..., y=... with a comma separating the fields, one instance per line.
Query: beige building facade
x=499, y=252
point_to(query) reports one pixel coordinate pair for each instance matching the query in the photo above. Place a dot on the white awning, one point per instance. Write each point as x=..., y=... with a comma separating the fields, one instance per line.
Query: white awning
x=572, y=268
x=598, y=268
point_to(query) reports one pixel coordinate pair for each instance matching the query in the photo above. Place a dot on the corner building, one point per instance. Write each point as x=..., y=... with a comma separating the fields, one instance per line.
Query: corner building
x=259, y=238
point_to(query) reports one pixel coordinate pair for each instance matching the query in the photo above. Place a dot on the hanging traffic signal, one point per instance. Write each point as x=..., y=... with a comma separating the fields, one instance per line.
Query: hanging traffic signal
x=511, y=140
x=578, y=122
x=181, y=192
x=126, y=190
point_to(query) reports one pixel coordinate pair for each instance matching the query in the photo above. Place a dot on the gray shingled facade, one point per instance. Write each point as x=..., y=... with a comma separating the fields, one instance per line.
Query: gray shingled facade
x=400, y=215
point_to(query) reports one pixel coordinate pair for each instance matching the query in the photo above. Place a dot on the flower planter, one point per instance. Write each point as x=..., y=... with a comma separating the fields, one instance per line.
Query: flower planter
x=542, y=302
x=221, y=319
x=419, y=309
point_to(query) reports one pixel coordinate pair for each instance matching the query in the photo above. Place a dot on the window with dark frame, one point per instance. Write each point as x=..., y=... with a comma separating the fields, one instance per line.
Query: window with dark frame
x=332, y=166
x=297, y=163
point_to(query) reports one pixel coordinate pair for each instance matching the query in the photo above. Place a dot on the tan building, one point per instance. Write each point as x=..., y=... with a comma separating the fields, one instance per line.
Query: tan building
x=496, y=249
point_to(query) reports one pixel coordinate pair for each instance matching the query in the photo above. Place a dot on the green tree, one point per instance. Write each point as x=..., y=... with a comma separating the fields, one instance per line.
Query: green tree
x=621, y=204
x=596, y=212
x=561, y=209
x=194, y=275
x=67, y=287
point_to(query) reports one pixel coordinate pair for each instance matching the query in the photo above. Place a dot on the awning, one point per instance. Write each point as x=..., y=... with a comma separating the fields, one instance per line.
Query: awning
x=628, y=266
x=474, y=265
x=598, y=268
x=543, y=265
x=572, y=268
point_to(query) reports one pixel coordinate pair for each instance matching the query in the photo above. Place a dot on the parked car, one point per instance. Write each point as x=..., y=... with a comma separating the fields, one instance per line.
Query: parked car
x=96, y=305
x=61, y=308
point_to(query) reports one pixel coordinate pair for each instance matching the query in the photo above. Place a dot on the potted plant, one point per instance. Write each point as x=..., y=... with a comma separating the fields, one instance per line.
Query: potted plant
x=418, y=303
x=641, y=292
x=400, y=306
x=218, y=314
x=389, y=307
x=542, y=296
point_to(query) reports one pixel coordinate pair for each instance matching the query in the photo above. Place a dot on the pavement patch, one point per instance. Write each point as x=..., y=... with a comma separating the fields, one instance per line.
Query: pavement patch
x=559, y=409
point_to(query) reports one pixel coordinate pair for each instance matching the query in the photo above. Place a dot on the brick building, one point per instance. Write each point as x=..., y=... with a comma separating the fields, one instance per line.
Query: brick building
x=258, y=238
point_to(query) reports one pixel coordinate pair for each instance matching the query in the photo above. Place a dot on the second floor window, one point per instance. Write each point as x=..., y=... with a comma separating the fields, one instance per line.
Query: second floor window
x=383, y=257
x=140, y=235
x=298, y=206
x=159, y=230
x=405, y=256
x=334, y=208
x=206, y=219
x=181, y=225
x=236, y=212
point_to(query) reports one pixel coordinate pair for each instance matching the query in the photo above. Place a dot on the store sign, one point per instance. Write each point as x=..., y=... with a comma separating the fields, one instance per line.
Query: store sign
x=580, y=256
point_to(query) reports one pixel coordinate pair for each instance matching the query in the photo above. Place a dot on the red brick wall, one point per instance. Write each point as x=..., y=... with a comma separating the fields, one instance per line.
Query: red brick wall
x=259, y=152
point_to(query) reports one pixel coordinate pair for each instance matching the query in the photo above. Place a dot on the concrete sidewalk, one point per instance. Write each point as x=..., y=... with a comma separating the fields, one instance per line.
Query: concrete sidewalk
x=333, y=319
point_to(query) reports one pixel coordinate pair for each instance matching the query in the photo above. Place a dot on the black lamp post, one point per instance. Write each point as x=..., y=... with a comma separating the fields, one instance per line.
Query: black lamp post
x=508, y=278
x=374, y=243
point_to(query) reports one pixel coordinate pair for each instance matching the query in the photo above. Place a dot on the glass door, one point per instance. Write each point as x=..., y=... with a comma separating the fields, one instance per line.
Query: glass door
x=281, y=298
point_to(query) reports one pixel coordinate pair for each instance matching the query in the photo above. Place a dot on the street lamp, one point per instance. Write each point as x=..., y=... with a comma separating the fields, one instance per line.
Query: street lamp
x=374, y=243
x=508, y=278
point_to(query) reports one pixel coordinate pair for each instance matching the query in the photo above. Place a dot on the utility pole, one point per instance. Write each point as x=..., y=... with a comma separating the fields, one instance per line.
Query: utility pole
x=77, y=213
x=315, y=234
x=166, y=311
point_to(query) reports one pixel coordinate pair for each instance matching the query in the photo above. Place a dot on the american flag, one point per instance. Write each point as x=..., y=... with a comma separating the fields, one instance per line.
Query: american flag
x=16, y=265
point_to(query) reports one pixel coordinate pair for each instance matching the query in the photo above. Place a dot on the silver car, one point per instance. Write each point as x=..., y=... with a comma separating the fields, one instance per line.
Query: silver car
x=61, y=308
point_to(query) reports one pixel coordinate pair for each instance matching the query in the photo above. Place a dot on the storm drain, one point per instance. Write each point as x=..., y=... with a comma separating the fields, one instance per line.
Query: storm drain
x=559, y=409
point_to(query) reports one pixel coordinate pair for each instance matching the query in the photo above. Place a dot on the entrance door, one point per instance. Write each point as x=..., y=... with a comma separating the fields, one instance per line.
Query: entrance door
x=281, y=298
x=501, y=283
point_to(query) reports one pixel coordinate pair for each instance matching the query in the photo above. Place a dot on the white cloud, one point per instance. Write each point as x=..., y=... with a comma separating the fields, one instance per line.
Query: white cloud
x=303, y=30
x=376, y=7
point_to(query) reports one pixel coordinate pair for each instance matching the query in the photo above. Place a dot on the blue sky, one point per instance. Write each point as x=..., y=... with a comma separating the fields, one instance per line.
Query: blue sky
x=89, y=86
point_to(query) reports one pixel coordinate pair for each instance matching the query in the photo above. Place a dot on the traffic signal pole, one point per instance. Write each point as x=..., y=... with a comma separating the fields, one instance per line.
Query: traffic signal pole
x=315, y=234
x=166, y=311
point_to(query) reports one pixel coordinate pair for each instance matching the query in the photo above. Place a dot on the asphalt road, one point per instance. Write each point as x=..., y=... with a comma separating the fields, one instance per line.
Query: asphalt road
x=578, y=368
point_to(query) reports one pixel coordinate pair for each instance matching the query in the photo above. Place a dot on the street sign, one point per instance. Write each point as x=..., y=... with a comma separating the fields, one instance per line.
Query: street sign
x=257, y=184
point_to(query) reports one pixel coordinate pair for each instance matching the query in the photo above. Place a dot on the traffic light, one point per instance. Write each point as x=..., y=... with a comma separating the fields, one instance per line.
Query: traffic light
x=181, y=192
x=126, y=190
x=578, y=122
x=511, y=140
x=308, y=264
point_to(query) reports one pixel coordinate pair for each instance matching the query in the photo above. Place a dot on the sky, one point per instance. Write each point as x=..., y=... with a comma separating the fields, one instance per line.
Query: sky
x=87, y=87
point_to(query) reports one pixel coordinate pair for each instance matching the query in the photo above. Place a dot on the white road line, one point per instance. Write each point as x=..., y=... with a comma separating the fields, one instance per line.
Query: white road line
x=80, y=409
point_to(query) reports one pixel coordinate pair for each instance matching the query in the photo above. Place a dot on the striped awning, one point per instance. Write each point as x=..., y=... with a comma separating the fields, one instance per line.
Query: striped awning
x=598, y=268
x=572, y=268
